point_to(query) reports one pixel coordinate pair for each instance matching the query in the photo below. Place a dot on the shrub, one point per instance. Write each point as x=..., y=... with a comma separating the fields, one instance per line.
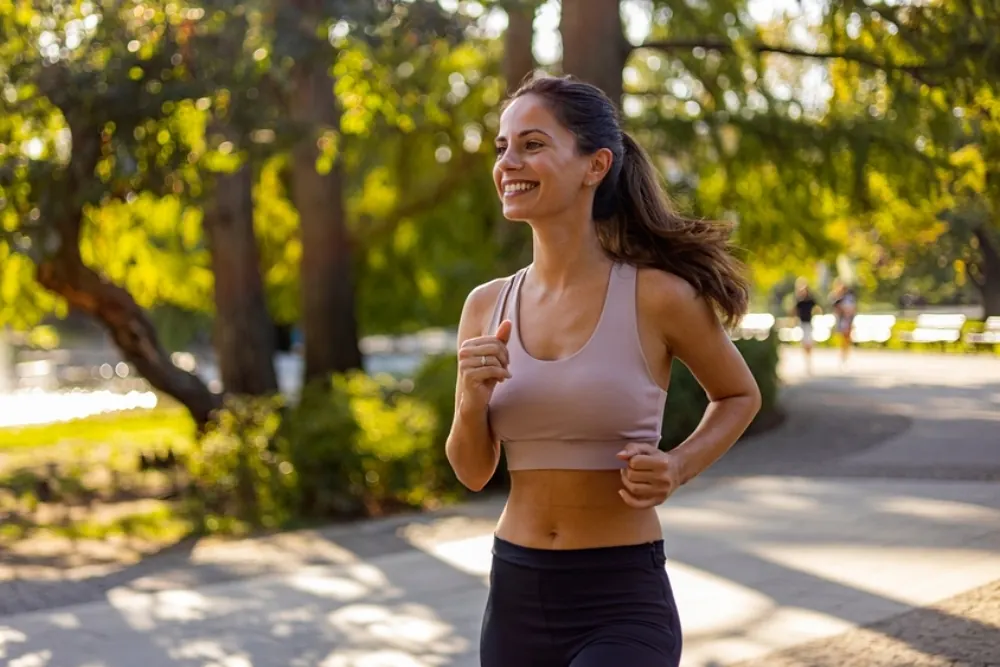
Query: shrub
x=240, y=475
x=686, y=400
x=354, y=446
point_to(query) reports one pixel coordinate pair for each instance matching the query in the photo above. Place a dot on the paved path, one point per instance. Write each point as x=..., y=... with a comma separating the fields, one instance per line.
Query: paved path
x=876, y=504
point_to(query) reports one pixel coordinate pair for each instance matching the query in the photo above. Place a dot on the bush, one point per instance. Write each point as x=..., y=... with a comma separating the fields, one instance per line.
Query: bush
x=356, y=446
x=241, y=475
x=686, y=400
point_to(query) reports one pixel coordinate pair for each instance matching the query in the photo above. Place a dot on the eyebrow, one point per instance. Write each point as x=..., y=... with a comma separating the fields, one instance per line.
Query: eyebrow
x=524, y=133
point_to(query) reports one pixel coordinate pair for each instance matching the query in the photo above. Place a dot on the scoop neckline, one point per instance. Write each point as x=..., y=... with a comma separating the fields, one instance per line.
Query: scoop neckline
x=516, y=323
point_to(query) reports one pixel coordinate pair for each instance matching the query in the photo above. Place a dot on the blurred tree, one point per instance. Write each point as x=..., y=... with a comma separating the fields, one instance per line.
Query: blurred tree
x=935, y=93
x=92, y=124
x=329, y=321
x=244, y=336
x=518, y=56
x=800, y=125
x=177, y=112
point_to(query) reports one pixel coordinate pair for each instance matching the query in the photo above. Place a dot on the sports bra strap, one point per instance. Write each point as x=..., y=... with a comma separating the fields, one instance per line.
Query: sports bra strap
x=500, y=309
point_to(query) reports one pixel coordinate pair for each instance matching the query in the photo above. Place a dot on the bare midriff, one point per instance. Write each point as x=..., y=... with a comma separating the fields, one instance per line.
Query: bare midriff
x=573, y=509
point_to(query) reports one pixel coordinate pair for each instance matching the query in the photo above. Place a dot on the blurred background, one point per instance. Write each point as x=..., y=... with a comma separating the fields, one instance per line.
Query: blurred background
x=237, y=199
x=236, y=237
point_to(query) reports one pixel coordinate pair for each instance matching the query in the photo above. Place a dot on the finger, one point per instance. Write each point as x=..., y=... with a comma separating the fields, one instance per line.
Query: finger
x=637, y=503
x=637, y=489
x=656, y=463
x=489, y=349
x=483, y=340
x=640, y=476
x=479, y=362
x=503, y=331
x=635, y=448
x=484, y=358
x=487, y=373
x=467, y=366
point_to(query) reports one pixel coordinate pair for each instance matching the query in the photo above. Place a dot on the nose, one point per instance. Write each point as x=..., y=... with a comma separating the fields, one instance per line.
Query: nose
x=509, y=161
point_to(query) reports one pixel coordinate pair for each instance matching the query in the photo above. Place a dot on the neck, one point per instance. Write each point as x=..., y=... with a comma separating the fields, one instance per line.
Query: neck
x=565, y=250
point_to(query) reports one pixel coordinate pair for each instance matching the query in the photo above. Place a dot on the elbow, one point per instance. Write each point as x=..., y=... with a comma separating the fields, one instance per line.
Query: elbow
x=753, y=401
x=474, y=485
x=472, y=482
x=756, y=401
x=471, y=479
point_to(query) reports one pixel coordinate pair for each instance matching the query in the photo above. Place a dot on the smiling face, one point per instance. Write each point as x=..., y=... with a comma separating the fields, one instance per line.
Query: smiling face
x=539, y=172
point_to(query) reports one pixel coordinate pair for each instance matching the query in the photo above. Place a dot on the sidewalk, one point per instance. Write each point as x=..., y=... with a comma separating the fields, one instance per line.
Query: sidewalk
x=845, y=517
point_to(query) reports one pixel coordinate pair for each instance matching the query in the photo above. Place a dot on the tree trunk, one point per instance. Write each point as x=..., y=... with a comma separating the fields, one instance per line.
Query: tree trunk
x=244, y=336
x=594, y=44
x=989, y=288
x=129, y=327
x=518, y=59
x=328, y=310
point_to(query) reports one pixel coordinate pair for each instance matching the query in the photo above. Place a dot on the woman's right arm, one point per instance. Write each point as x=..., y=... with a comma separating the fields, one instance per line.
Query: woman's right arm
x=472, y=449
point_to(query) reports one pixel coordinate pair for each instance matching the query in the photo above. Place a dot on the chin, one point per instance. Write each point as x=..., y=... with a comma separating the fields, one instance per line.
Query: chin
x=516, y=215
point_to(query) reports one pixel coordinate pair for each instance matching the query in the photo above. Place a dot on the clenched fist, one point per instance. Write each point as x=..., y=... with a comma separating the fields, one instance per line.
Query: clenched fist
x=482, y=364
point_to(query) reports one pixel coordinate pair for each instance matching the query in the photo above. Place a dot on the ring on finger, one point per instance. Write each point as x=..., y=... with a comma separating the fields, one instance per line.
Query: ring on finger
x=482, y=360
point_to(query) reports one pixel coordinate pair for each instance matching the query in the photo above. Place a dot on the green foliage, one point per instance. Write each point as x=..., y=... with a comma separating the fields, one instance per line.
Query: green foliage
x=241, y=470
x=686, y=400
x=902, y=129
x=358, y=446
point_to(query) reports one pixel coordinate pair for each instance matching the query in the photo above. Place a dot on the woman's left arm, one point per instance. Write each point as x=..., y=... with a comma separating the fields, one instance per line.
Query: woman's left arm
x=692, y=333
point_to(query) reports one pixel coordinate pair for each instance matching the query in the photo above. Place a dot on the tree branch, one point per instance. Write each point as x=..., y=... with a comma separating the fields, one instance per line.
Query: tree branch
x=917, y=72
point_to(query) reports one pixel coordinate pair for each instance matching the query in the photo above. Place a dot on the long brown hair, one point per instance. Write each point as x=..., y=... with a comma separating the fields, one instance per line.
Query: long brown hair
x=636, y=222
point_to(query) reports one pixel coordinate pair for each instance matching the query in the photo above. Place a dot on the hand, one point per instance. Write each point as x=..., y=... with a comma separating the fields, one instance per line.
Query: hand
x=651, y=476
x=482, y=364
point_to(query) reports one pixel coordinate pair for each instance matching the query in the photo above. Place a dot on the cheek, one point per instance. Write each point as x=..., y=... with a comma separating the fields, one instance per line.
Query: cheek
x=497, y=175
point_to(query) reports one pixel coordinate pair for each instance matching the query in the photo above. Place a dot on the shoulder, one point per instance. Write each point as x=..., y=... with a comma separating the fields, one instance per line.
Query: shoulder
x=479, y=306
x=679, y=310
x=661, y=292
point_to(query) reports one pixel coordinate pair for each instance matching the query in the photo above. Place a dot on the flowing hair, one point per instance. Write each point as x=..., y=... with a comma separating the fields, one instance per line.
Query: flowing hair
x=636, y=223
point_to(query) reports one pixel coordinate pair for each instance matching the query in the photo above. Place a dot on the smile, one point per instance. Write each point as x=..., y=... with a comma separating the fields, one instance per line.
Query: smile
x=518, y=188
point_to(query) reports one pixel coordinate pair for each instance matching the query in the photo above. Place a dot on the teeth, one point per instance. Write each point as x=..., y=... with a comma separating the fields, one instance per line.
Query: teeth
x=518, y=187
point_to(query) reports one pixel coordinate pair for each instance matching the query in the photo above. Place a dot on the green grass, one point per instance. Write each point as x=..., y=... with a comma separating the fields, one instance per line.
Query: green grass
x=134, y=428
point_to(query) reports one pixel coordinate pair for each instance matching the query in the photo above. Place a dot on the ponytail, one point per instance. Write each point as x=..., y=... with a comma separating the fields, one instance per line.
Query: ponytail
x=637, y=224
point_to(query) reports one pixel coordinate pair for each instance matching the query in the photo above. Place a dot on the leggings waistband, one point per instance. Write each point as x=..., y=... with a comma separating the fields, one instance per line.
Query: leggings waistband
x=630, y=555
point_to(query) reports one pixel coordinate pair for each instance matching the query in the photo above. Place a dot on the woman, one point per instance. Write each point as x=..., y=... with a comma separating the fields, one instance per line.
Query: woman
x=567, y=363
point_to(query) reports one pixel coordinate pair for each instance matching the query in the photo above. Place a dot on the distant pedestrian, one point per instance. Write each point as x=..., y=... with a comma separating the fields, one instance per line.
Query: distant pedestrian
x=805, y=308
x=845, y=307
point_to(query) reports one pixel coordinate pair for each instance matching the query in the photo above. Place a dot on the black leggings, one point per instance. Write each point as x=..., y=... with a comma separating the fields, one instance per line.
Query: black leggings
x=610, y=606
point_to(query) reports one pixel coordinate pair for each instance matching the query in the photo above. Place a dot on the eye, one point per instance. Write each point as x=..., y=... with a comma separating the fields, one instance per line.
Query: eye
x=499, y=148
x=531, y=144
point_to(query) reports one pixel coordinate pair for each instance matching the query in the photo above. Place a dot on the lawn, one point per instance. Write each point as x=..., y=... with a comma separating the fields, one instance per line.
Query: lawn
x=82, y=477
x=135, y=429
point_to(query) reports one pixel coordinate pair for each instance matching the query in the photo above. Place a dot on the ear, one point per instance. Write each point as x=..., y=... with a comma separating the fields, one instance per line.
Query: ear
x=598, y=167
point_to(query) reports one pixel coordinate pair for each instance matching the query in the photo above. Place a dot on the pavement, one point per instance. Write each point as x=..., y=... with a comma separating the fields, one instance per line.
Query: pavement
x=864, y=531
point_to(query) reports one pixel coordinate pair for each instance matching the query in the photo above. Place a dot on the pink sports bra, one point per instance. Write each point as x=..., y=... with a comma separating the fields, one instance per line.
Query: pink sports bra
x=576, y=413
